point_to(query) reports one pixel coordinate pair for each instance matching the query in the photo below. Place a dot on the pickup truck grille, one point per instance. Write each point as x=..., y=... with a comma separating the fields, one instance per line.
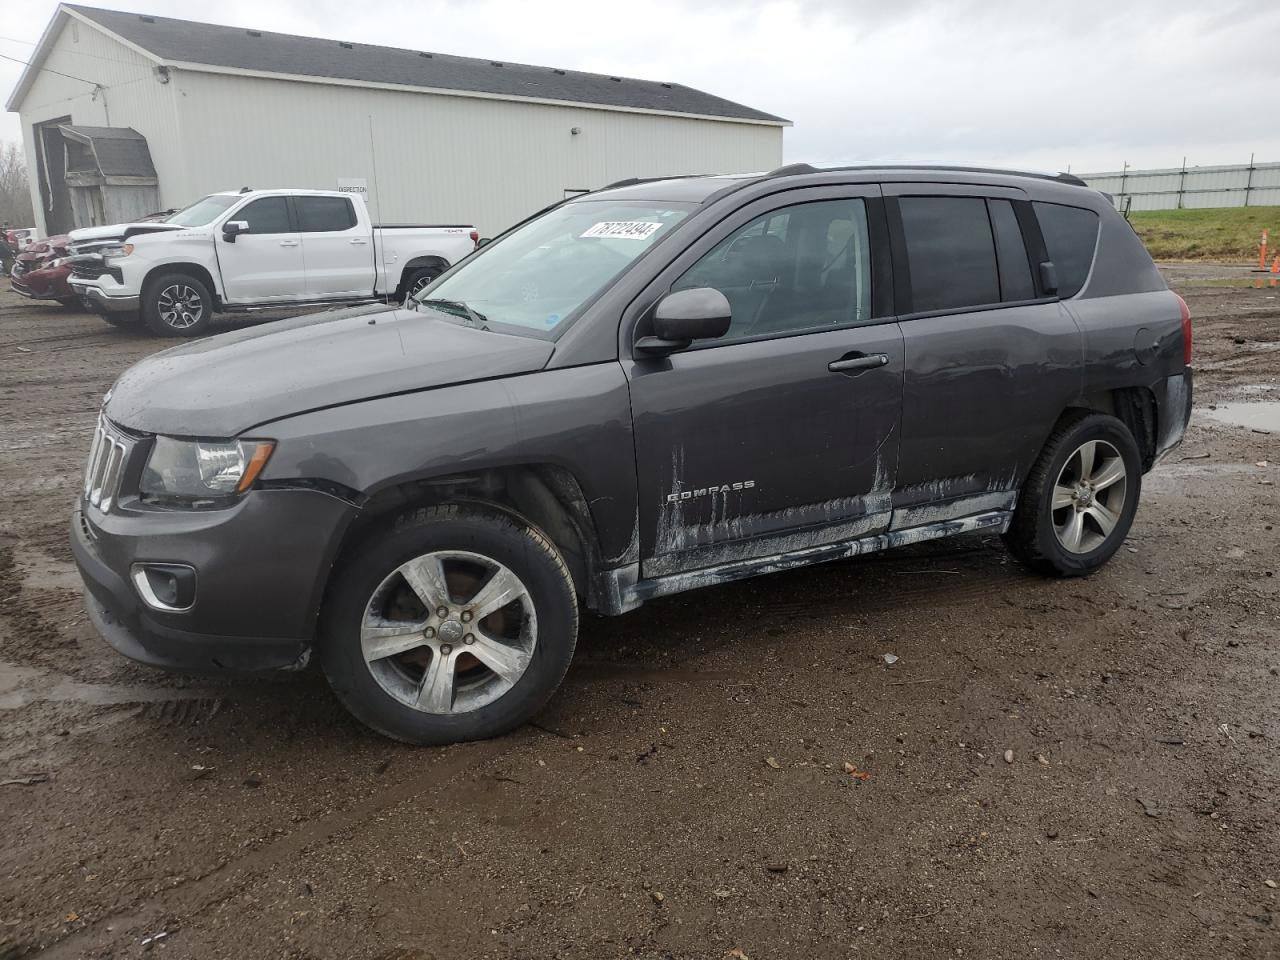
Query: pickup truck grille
x=108, y=457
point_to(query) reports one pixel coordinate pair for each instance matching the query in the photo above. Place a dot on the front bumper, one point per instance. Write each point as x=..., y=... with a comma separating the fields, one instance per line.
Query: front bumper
x=96, y=298
x=41, y=285
x=261, y=570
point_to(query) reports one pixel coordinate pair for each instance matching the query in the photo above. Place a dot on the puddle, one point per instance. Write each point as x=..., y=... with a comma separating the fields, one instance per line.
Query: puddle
x=1254, y=414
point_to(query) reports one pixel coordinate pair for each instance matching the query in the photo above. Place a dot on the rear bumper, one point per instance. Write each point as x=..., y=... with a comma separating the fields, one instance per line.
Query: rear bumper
x=1173, y=411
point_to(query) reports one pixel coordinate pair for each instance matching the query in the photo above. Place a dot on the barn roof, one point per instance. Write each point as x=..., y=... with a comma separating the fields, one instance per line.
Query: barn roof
x=185, y=42
x=119, y=151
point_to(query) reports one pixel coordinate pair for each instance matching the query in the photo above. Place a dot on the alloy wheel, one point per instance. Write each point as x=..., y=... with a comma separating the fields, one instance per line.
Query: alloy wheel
x=449, y=632
x=180, y=306
x=1089, y=496
x=418, y=286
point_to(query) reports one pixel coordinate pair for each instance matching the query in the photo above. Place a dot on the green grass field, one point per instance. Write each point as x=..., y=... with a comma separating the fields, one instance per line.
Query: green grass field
x=1229, y=234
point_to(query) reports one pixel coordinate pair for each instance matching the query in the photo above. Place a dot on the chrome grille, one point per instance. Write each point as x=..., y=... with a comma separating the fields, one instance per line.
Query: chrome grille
x=107, y=458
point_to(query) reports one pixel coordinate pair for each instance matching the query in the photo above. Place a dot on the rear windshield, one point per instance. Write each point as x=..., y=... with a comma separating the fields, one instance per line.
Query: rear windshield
x=1070, y=235
x=535, y=279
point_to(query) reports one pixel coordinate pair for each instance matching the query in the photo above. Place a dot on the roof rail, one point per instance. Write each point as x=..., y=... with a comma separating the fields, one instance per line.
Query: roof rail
x=632, y=181
x=792, y=170
x=798, y=169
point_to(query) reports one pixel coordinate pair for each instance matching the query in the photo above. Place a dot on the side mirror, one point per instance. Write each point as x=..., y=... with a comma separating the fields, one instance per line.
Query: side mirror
x=701, y=313
x=1048, y=278
x=483, y=242
x=233, y=228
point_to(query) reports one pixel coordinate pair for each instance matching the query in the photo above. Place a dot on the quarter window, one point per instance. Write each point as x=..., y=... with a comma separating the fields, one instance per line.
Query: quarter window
x=1070, y=235
x=324, y=214
x=950, y=252
x=806, y=267
x=268, y=215
x=1011, y=253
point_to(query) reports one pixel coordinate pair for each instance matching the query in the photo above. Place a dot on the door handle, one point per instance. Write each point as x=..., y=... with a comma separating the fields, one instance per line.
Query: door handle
x=288, y=243
x=359, y=240
x=867, y=361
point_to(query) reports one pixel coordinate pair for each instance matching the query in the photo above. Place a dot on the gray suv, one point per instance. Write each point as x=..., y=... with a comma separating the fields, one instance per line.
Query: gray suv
x=658, y=386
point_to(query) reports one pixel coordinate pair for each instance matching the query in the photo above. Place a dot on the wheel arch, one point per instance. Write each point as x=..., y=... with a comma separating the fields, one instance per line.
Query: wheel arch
x=196, y=270
x=1135, y=407
x=417, y=263
x=547, y=497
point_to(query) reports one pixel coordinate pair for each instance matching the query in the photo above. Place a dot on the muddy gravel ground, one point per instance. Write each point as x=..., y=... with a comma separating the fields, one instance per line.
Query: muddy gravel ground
x=1051, y=768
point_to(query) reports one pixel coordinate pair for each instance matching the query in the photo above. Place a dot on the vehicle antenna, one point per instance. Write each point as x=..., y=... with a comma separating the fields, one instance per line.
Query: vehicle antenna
x=379, y=246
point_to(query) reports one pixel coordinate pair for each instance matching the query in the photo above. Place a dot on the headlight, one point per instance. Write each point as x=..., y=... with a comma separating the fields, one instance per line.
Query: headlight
x=58, y=261
x=116, y=250
x=202, y=472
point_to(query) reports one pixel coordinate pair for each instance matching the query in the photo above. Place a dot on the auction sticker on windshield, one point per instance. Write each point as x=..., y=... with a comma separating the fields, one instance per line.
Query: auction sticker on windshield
x=623, y=229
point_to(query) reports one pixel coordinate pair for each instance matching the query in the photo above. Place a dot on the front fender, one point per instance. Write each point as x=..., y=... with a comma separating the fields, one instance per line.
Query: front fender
x=577, y=418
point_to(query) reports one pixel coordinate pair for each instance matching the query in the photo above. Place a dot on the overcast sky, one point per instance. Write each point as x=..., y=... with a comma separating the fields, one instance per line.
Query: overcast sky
x=1048, y=85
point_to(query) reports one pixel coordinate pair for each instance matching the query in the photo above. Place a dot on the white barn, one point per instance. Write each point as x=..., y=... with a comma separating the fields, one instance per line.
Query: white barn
x=125, y=113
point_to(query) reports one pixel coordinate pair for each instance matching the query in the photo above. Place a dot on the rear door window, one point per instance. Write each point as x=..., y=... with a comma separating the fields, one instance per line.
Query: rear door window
x=1070, y=235
x=324, y=214
x=1011, y=253
x=951, y=254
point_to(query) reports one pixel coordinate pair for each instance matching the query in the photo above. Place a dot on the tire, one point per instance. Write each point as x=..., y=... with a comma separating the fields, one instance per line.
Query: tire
x=177, y=305
x=370, y=594
x=418, y=279
x=1100, y=511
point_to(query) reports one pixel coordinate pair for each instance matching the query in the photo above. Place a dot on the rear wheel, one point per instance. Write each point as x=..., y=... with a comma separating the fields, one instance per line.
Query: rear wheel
x=177, y=305
x=419, y=279
x=1080, y=498
x=457, y=623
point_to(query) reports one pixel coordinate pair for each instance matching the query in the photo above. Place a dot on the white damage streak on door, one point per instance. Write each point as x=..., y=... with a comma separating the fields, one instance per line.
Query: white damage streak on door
x=730, y=531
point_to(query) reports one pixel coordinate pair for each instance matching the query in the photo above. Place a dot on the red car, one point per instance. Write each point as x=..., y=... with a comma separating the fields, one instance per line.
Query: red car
x=41, y=272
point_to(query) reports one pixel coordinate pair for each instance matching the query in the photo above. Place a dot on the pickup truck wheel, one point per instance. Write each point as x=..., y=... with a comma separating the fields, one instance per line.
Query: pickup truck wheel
x=419, y=279
x=177, y=305
x=456, y=623
x=1079, y=499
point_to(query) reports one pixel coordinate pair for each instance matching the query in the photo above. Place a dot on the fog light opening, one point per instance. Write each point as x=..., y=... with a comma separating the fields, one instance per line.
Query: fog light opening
x=170, y=587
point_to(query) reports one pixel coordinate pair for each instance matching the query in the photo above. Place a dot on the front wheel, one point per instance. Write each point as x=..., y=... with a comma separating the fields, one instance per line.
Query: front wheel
x=177, y=305
x=1079, y=499
x=457, y=623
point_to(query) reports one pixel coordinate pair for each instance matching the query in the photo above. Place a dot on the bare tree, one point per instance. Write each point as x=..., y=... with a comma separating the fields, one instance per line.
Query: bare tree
x=15, y=194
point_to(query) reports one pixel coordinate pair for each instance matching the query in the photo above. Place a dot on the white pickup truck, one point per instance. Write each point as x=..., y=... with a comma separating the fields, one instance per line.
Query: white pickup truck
x=252, y=250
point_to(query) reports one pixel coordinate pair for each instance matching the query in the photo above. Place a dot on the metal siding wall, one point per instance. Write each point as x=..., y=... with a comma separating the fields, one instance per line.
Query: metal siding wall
x=440, y=159
x=133, y=97
x=1223, y=186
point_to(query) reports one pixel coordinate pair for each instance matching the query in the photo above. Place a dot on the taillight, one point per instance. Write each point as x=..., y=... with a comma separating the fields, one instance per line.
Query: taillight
x=475, y=237
x=1186, y=331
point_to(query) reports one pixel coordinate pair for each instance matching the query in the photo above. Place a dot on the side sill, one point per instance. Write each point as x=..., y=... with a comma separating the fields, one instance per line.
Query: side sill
x=623, y=591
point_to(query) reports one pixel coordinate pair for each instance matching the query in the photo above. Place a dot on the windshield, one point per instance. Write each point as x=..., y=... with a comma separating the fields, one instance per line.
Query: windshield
x=534, y=279
x=202, y=211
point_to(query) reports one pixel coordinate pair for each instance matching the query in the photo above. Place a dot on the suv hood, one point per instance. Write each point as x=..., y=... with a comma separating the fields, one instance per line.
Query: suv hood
x=222, y=386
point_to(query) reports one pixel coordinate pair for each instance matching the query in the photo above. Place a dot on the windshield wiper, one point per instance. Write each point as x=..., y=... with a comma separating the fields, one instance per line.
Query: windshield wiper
x=458, y=309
